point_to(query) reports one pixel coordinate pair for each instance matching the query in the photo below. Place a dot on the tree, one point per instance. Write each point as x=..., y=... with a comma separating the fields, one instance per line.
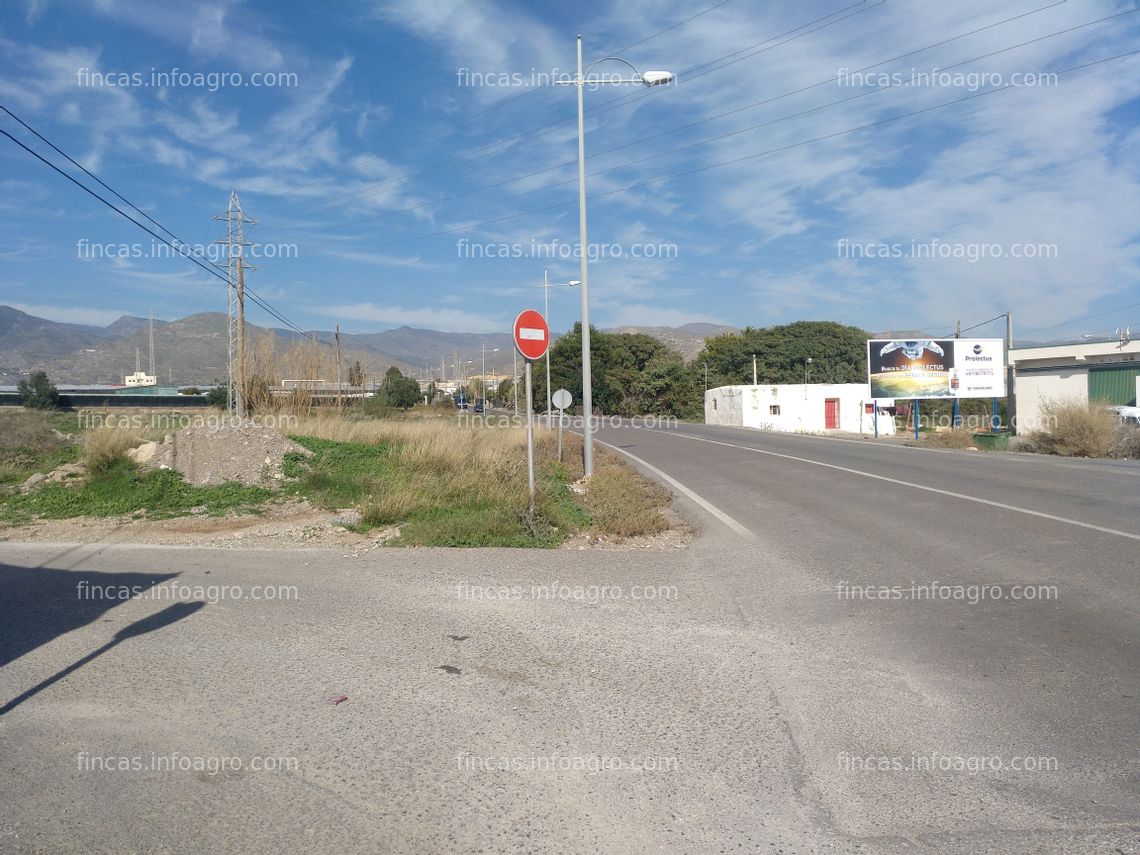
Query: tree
x=398, y=390
x=218, y=397
x=356, y=374
x=617, y=362
x=838, y=353
x=37, y=392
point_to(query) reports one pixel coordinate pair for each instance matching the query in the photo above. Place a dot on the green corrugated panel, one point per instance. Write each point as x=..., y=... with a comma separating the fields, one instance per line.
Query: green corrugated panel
x=1113, y=384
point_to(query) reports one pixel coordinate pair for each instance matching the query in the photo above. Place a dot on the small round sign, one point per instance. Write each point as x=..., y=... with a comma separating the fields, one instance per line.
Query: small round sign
x=532, y=336
x=562, y=399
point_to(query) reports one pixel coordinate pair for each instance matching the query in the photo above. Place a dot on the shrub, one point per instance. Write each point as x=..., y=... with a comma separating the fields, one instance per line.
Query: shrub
x=105, y=448
x=1075, y=429
x=948, y=439
x=1127, y=443
x=37, y=392
x=218, y=397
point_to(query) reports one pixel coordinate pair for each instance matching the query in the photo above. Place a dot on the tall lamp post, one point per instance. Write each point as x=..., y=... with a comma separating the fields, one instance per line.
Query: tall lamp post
x=649, y=78
x=483, y=381
x=546, y=286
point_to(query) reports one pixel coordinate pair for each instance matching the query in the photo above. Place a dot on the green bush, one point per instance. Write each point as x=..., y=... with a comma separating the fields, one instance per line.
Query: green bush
x=37, y=392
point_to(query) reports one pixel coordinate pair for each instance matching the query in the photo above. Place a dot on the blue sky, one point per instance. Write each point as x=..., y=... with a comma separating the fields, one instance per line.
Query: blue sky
x=378, y=160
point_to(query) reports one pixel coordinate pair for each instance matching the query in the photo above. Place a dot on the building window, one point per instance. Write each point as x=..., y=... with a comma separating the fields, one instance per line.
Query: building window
x=774, y=410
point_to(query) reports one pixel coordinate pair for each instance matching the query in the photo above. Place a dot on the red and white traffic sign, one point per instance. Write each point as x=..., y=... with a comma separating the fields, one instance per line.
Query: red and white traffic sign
x=532, y=336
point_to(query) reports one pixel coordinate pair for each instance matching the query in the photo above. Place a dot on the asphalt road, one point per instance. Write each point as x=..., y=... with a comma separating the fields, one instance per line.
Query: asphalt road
x=742, y=695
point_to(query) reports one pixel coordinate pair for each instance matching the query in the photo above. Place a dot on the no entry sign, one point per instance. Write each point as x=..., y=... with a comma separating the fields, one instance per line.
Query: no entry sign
x=532, y=336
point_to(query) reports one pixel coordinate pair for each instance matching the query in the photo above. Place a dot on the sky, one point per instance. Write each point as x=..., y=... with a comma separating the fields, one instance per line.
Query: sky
x=892, y=164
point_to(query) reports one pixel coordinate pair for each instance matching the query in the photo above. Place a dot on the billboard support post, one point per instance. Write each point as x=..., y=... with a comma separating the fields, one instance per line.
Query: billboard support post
x=1010, y=400
x=875, y=417
x=916, y=418
x=994, y=420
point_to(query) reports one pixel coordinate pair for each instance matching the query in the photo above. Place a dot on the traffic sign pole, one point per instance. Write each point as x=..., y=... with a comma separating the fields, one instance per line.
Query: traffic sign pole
x=530, y=436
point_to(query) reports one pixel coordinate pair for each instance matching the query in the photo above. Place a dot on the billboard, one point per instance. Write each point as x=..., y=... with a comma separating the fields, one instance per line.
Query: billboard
x=936, y=368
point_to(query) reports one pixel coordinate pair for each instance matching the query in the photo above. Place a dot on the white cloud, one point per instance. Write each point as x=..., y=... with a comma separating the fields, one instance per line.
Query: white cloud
x=448, y=320
x=72, y=314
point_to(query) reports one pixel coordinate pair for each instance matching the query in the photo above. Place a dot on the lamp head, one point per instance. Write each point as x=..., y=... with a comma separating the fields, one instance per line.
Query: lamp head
x=658, y=78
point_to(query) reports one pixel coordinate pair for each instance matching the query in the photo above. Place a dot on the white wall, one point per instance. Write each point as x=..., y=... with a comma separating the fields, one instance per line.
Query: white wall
x=799, y=408
x=1034, y=388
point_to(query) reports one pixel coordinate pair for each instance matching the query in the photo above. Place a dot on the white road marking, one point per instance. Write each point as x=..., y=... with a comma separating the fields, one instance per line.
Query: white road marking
x=979, y=501
x=677, y=485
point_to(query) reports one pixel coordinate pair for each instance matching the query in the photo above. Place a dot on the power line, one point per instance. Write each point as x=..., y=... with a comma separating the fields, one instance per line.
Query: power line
x=734, y=111
x=743, y=158
x=543, y=130
x=189, y=256
x=721, y=136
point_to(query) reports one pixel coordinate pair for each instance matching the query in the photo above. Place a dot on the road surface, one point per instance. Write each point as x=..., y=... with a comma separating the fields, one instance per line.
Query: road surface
x=764, y=690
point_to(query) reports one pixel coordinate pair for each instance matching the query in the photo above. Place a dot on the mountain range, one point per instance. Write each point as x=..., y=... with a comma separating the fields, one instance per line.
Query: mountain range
x=193, y=350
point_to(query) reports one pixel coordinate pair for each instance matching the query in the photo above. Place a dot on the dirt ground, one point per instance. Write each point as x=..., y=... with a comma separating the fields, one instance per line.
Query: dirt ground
x=289, y=524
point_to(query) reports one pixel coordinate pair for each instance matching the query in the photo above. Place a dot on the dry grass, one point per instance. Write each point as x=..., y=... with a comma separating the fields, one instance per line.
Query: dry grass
x=452, y=479
x=948, y=439
x=622, y=503
x=104, y=447
x=1075, y=429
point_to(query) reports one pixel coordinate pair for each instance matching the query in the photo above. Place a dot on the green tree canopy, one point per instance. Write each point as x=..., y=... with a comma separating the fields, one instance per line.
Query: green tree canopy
x=838, y=354
x=37, y=392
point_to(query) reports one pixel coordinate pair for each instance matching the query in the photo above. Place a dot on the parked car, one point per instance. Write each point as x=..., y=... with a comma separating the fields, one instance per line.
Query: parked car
x=1127, y=415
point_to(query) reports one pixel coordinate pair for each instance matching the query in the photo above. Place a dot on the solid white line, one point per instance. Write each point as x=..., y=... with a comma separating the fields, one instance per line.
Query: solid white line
x=979, y=501
x=677, y=485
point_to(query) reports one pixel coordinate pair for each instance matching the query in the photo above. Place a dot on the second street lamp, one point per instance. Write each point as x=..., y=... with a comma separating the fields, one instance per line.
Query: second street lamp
x=649, y=78
x=546, y=286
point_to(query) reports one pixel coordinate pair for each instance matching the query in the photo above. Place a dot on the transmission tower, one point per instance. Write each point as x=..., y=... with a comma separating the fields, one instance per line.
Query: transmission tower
x=235, y=266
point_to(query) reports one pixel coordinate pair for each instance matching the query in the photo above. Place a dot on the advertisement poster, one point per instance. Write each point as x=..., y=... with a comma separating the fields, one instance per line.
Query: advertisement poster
x=936, y=368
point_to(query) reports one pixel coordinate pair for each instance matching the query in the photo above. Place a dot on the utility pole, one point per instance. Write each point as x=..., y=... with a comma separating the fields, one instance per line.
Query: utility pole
x=235, y=242
x=754, y=369
x=339, y=402
x=152, y=374
x=241, y=399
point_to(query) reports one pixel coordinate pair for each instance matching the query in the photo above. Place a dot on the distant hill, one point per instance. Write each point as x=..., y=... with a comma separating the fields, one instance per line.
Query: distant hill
x=193, y=349
x=688, y=339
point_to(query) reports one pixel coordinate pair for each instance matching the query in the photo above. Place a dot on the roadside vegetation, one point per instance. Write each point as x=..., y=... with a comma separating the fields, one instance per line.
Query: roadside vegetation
x=445, y=484
x=33, y=441
x=1077, y=429
x=441, y=482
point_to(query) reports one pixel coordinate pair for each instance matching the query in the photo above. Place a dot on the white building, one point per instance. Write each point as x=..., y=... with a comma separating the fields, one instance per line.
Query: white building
x=1106, y=371
x=811, y=408
x=140, y=378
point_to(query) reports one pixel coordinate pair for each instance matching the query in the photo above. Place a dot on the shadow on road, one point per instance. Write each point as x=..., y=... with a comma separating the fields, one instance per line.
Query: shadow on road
x=140, y=627
x=37, y=604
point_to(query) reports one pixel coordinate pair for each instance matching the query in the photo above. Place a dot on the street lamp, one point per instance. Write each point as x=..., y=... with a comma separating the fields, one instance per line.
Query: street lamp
x=807, y=364
x=649, y=78
x=483, y=381
x=546, y=286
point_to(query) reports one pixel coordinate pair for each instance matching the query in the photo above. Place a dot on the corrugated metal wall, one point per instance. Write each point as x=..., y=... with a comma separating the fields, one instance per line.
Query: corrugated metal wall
x=1113, y=384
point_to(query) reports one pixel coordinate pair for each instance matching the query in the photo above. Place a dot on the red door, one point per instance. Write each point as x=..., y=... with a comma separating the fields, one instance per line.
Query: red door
x=831, y=413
